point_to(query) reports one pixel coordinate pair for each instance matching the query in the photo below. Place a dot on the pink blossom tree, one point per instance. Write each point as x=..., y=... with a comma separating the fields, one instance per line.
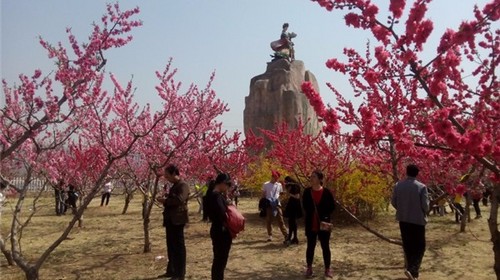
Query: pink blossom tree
x=414, y=103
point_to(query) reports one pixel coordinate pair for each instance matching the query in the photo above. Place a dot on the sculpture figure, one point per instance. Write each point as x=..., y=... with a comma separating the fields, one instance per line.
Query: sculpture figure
x=283, y=48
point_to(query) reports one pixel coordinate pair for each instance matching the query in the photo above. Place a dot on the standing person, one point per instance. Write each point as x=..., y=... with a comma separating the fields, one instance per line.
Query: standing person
x=271, y=191
x=318, y=204
x=60, y=198
x=411, y=200
x=106, y=194
x=220, y=235
x=72, y=198
x=175, y=217
x=293, y=209
x=235, y=194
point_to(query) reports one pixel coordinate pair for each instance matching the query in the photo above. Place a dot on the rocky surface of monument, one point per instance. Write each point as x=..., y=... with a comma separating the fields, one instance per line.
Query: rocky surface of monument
x=276, y=97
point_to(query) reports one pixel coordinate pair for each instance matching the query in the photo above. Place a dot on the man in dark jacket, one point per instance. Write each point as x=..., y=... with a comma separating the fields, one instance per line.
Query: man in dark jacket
x=175, y=217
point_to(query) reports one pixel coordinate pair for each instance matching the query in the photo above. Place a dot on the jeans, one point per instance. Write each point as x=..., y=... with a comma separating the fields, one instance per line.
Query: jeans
x=221, y=243
x=281, y=223
x=413, y=237
x=176, y=250
x=105, y=196
x=324, y=240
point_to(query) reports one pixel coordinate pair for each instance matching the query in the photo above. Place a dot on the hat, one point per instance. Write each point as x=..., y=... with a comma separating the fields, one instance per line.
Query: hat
x=275, y=174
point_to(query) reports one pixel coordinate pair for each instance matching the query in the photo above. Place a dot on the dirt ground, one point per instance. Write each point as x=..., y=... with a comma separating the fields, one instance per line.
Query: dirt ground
x=109, y=246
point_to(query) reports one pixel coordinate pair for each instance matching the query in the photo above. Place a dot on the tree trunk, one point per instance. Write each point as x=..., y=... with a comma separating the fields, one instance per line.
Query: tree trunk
x=128, y=198
x=466, y=214
x=147, y=242
x=31, y=273
x=146, y=212
x=493, y=226
x=6, y=253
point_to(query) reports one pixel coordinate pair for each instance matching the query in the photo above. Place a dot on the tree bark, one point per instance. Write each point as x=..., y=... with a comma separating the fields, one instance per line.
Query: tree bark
x=149, y=203
x=466, y=214
x=147, y=241
x=32, y=273
x=6, y=253
x=128, y=198
x=493, y=226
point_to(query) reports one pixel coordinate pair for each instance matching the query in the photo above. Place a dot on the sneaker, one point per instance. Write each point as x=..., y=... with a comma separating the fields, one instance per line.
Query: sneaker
x=328, y=273
x=295, y=241
x=270, y=238
x=287, y=242
x=409, y=275
x=309, y=272
x=478, y=217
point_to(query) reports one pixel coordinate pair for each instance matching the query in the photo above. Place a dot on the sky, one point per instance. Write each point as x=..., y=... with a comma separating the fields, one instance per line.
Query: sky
x=230, y=37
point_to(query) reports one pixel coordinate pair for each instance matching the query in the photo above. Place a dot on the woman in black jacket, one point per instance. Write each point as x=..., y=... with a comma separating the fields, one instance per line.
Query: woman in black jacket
x=318, y=203
x=220, y=235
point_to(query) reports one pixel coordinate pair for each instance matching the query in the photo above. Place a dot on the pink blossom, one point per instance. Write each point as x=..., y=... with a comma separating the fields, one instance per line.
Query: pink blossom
x=397, y=7
x=353, y=19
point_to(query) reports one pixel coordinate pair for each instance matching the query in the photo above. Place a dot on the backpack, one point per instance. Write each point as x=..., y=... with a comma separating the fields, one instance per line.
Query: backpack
x=235, y=222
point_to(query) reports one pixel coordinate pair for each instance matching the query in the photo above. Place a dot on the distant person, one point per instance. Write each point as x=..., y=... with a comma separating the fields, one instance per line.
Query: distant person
x=319, y=204
x=72, y=198
x=220, y=235
x=293, y=209
x=235, y=194
x=272, y=191
x=476, y=198
x=411, y=200
x=459, y=209
x=175, y=217
x=106, y=193
x=60, y=195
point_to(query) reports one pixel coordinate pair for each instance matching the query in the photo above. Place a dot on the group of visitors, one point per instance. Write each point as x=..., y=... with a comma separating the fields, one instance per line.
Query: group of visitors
x=65, y=198
x=410, y=198
x=318, y=204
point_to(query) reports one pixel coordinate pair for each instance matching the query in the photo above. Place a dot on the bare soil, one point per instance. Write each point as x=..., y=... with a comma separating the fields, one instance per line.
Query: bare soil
x=109, y=246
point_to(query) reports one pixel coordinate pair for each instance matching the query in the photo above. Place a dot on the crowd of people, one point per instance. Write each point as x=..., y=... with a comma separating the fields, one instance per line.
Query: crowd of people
x=314, y=203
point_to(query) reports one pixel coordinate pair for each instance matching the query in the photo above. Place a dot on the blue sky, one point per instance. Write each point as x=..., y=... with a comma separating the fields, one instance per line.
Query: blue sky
x=230, y=37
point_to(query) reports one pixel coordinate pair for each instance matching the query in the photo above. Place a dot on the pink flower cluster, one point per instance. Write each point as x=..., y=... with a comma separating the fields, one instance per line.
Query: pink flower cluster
x=329, y=116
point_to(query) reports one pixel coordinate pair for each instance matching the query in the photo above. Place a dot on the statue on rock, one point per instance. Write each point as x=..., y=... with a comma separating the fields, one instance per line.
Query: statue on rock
x=283, y=48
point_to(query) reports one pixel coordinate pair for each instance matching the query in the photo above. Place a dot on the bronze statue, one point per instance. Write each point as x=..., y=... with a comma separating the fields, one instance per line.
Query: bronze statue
x=283, y=48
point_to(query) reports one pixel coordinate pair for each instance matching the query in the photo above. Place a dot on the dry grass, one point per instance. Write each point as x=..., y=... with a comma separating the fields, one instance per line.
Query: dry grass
x=109, y=246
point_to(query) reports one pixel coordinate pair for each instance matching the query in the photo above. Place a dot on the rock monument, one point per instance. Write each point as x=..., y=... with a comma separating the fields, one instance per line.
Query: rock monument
x=276, y=97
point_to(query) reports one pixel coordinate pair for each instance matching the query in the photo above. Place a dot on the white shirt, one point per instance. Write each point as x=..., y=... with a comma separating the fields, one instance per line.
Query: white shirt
x=272, y=190
x=108, y=187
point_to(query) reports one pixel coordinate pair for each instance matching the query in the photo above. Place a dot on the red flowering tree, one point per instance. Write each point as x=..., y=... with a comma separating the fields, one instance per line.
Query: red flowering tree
x=412, y=103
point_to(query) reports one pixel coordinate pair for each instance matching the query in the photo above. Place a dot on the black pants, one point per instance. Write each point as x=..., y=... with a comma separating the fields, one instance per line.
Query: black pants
x=413, y=237
x=176, y=250
x=476, y=207
x=324, y=240
x=105, y=196
x=292, y=228
x=221, y=243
